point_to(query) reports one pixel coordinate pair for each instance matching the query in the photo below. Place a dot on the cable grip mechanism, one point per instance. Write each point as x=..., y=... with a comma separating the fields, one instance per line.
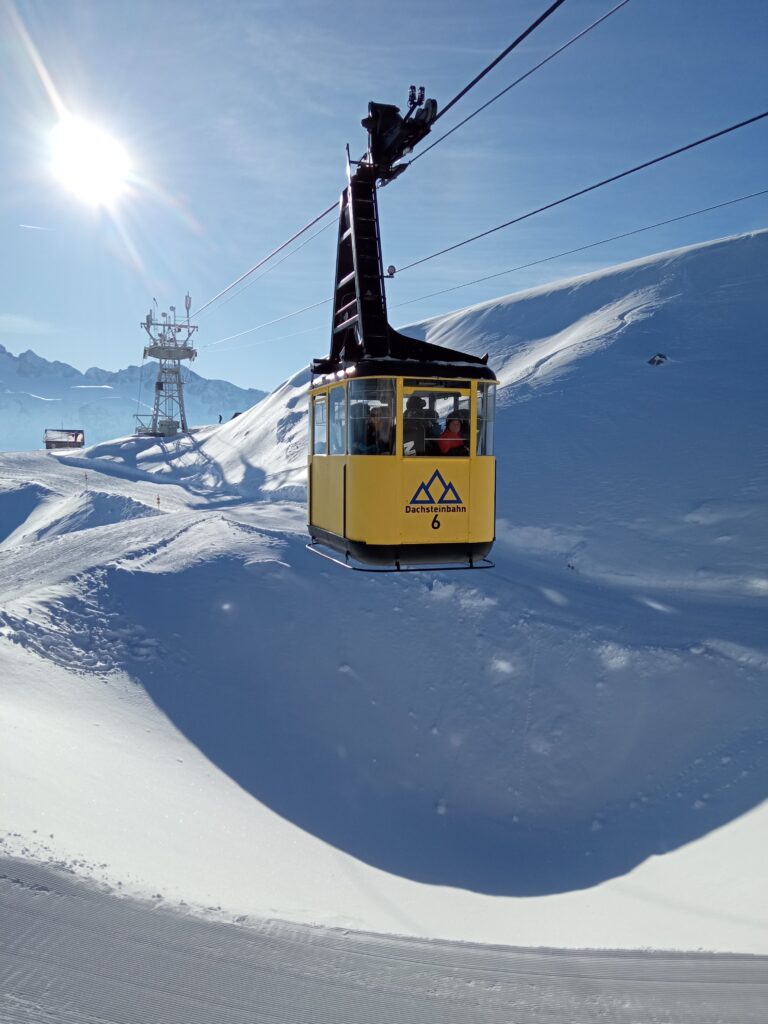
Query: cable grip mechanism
x=391, y=136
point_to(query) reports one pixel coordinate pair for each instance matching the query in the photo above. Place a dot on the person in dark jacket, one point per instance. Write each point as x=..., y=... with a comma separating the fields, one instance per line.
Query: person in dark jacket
x=379, y=433
x=416, y=410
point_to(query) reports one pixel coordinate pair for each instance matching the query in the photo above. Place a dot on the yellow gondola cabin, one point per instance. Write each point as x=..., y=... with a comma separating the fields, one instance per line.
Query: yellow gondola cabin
x=401, y=465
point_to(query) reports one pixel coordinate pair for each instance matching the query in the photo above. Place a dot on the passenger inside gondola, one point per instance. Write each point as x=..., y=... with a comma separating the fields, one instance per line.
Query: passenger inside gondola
x=379, y=433
x=416, y=411
x=454, y=439
x=358, y=422
x=417, y=425
x=420, y=426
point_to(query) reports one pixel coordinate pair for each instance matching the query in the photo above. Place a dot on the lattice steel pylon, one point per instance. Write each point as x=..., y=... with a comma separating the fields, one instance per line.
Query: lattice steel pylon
x=171, y=346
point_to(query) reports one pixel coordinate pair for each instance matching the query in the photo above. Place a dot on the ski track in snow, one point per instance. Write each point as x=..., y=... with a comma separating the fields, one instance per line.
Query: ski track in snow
x=86, y=956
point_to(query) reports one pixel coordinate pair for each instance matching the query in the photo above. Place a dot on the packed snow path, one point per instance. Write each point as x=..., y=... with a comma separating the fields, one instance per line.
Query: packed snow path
x=74, y=954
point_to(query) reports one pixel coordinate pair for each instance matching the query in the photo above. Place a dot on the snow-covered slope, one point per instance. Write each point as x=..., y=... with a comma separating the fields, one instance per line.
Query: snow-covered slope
x=569, y=750
x=36, y=393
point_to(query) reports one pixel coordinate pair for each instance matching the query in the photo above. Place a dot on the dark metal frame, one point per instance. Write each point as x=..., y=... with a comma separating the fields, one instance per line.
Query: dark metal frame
x=361, y=336
x=483, y=563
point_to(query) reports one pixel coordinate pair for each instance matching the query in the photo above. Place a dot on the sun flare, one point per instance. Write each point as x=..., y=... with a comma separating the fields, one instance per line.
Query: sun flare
x=88, y=162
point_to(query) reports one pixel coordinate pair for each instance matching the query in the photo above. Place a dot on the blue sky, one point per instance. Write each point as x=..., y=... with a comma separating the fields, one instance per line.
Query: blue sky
x=236, y=116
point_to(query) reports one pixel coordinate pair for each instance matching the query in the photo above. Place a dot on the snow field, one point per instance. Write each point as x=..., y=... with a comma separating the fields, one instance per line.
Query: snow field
x=566, y=751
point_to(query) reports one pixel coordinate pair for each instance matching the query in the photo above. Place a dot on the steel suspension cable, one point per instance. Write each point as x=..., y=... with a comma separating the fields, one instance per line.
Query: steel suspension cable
x=584, y=191
x=489, y=277
x=489, y=67
x=522, y=78
x=266, y=259
x=268, y=323
x=543, y=17
x=583, y=248
x=269, y=341
x=274, y=266
x=455, y=100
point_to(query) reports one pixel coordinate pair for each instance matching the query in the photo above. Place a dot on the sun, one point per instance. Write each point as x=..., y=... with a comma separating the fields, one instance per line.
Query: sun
x=90, y=163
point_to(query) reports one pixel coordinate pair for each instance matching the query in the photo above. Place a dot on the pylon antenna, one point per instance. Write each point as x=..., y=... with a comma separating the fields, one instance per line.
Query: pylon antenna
x=171, y=345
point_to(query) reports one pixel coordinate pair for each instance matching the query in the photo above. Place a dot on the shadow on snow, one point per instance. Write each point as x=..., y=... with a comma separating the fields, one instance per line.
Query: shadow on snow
x=378, y=714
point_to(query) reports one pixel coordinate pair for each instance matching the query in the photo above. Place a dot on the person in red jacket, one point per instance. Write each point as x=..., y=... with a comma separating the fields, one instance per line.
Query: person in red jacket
x=453, y=440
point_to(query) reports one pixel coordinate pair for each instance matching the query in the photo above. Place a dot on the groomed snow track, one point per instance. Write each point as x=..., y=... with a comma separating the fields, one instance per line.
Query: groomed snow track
x=72, y=954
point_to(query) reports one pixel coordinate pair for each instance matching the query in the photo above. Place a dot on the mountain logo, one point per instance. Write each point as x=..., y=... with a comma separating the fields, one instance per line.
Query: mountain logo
x=425, y=495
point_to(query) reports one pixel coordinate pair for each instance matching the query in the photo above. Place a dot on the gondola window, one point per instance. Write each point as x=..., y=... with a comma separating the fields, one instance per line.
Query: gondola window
x=371, y=417
x=319, y=432
x=337, y=411
x=486, y=416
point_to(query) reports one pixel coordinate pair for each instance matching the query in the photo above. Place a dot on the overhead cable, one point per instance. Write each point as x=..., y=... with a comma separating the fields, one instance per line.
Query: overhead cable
x=266, y=259
x=274, y=266
x=584, y=191
x=455, y=100
x=282, y=337
x=268, y=323
x=489, y=67
x=522, y=78
x=582, y=248
x=489, y=277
